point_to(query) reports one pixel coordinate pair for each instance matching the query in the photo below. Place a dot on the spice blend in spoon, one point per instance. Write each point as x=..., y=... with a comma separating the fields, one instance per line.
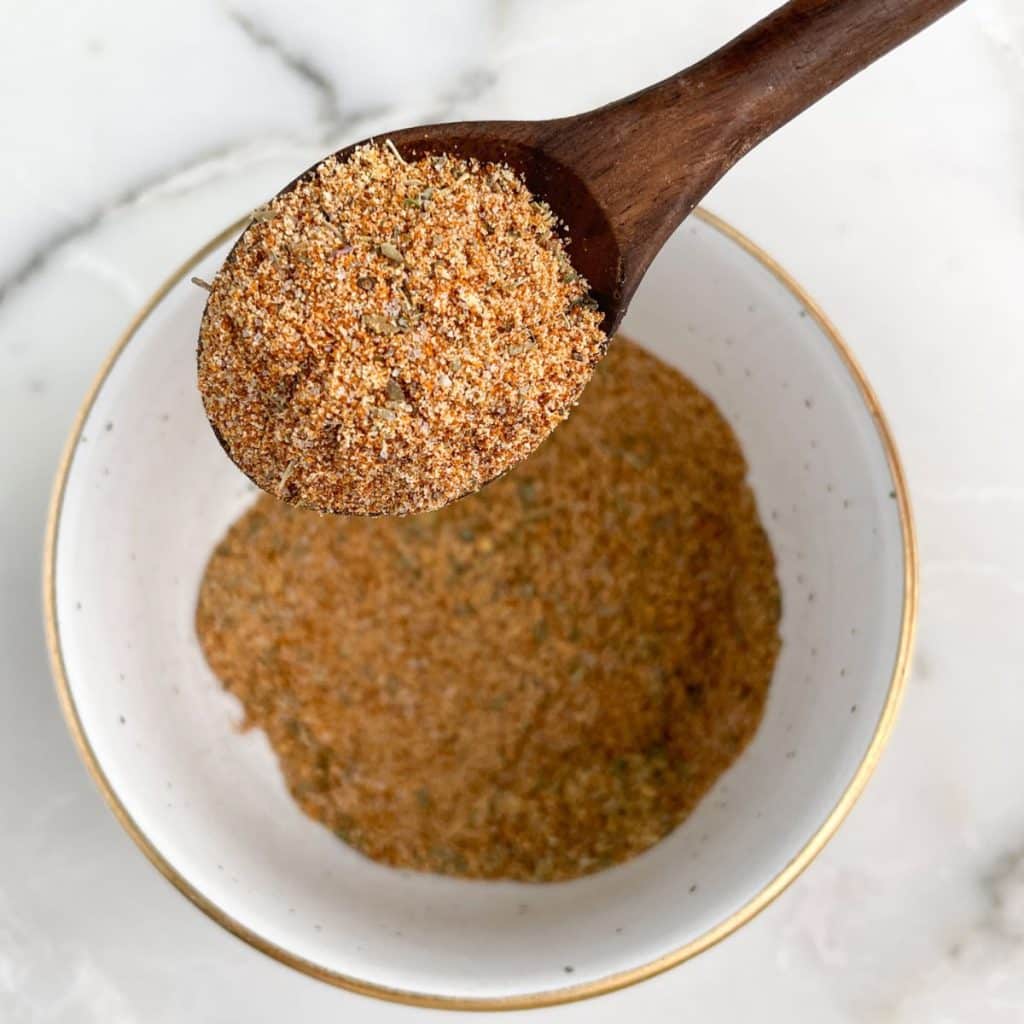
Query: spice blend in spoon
x=389, y=336
x=534, y=683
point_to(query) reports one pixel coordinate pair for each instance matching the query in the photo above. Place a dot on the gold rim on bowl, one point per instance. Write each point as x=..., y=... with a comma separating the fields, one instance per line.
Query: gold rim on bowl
x=550, y=997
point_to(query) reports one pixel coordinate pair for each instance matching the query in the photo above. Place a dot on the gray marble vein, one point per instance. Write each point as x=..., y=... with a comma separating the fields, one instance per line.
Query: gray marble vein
x=40, y=255
x=1003, y=886
x=469, y=88
x=328, y=104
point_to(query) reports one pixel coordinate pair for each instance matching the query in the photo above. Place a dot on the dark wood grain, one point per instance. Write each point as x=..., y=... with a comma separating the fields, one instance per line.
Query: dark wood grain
x=624, y=176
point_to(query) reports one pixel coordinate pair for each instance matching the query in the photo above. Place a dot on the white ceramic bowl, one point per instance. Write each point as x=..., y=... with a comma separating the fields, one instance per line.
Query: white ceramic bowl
x=144, y=493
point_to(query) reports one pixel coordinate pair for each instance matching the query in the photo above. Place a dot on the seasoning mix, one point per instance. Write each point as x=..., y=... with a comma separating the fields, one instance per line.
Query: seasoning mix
x=389, y=335
x=533, y=683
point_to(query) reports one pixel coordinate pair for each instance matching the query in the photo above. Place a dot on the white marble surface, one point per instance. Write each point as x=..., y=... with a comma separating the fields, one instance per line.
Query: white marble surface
x=131, y=132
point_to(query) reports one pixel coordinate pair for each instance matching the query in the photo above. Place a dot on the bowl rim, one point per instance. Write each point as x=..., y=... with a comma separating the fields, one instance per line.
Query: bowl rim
x=550, y=997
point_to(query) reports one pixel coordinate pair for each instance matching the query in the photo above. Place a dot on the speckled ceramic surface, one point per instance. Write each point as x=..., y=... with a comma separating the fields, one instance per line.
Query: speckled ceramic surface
x=147, y=493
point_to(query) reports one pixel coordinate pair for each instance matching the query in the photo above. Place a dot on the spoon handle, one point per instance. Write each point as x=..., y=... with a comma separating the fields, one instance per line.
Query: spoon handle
x=664, y=147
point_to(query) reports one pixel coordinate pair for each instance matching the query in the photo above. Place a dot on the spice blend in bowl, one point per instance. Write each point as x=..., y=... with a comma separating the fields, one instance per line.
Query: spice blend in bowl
x=389, y=336
x=534, y=683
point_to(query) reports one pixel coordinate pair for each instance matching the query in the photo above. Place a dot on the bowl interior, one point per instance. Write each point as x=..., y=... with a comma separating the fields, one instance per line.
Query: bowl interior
x=147, y=494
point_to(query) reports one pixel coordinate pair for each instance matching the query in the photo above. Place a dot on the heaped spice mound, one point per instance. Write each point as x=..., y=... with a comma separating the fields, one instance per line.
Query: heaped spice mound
x=535, y=682
x=389, y=336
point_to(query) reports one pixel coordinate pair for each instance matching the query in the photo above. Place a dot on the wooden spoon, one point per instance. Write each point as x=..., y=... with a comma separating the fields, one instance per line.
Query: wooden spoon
x=624, y=176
